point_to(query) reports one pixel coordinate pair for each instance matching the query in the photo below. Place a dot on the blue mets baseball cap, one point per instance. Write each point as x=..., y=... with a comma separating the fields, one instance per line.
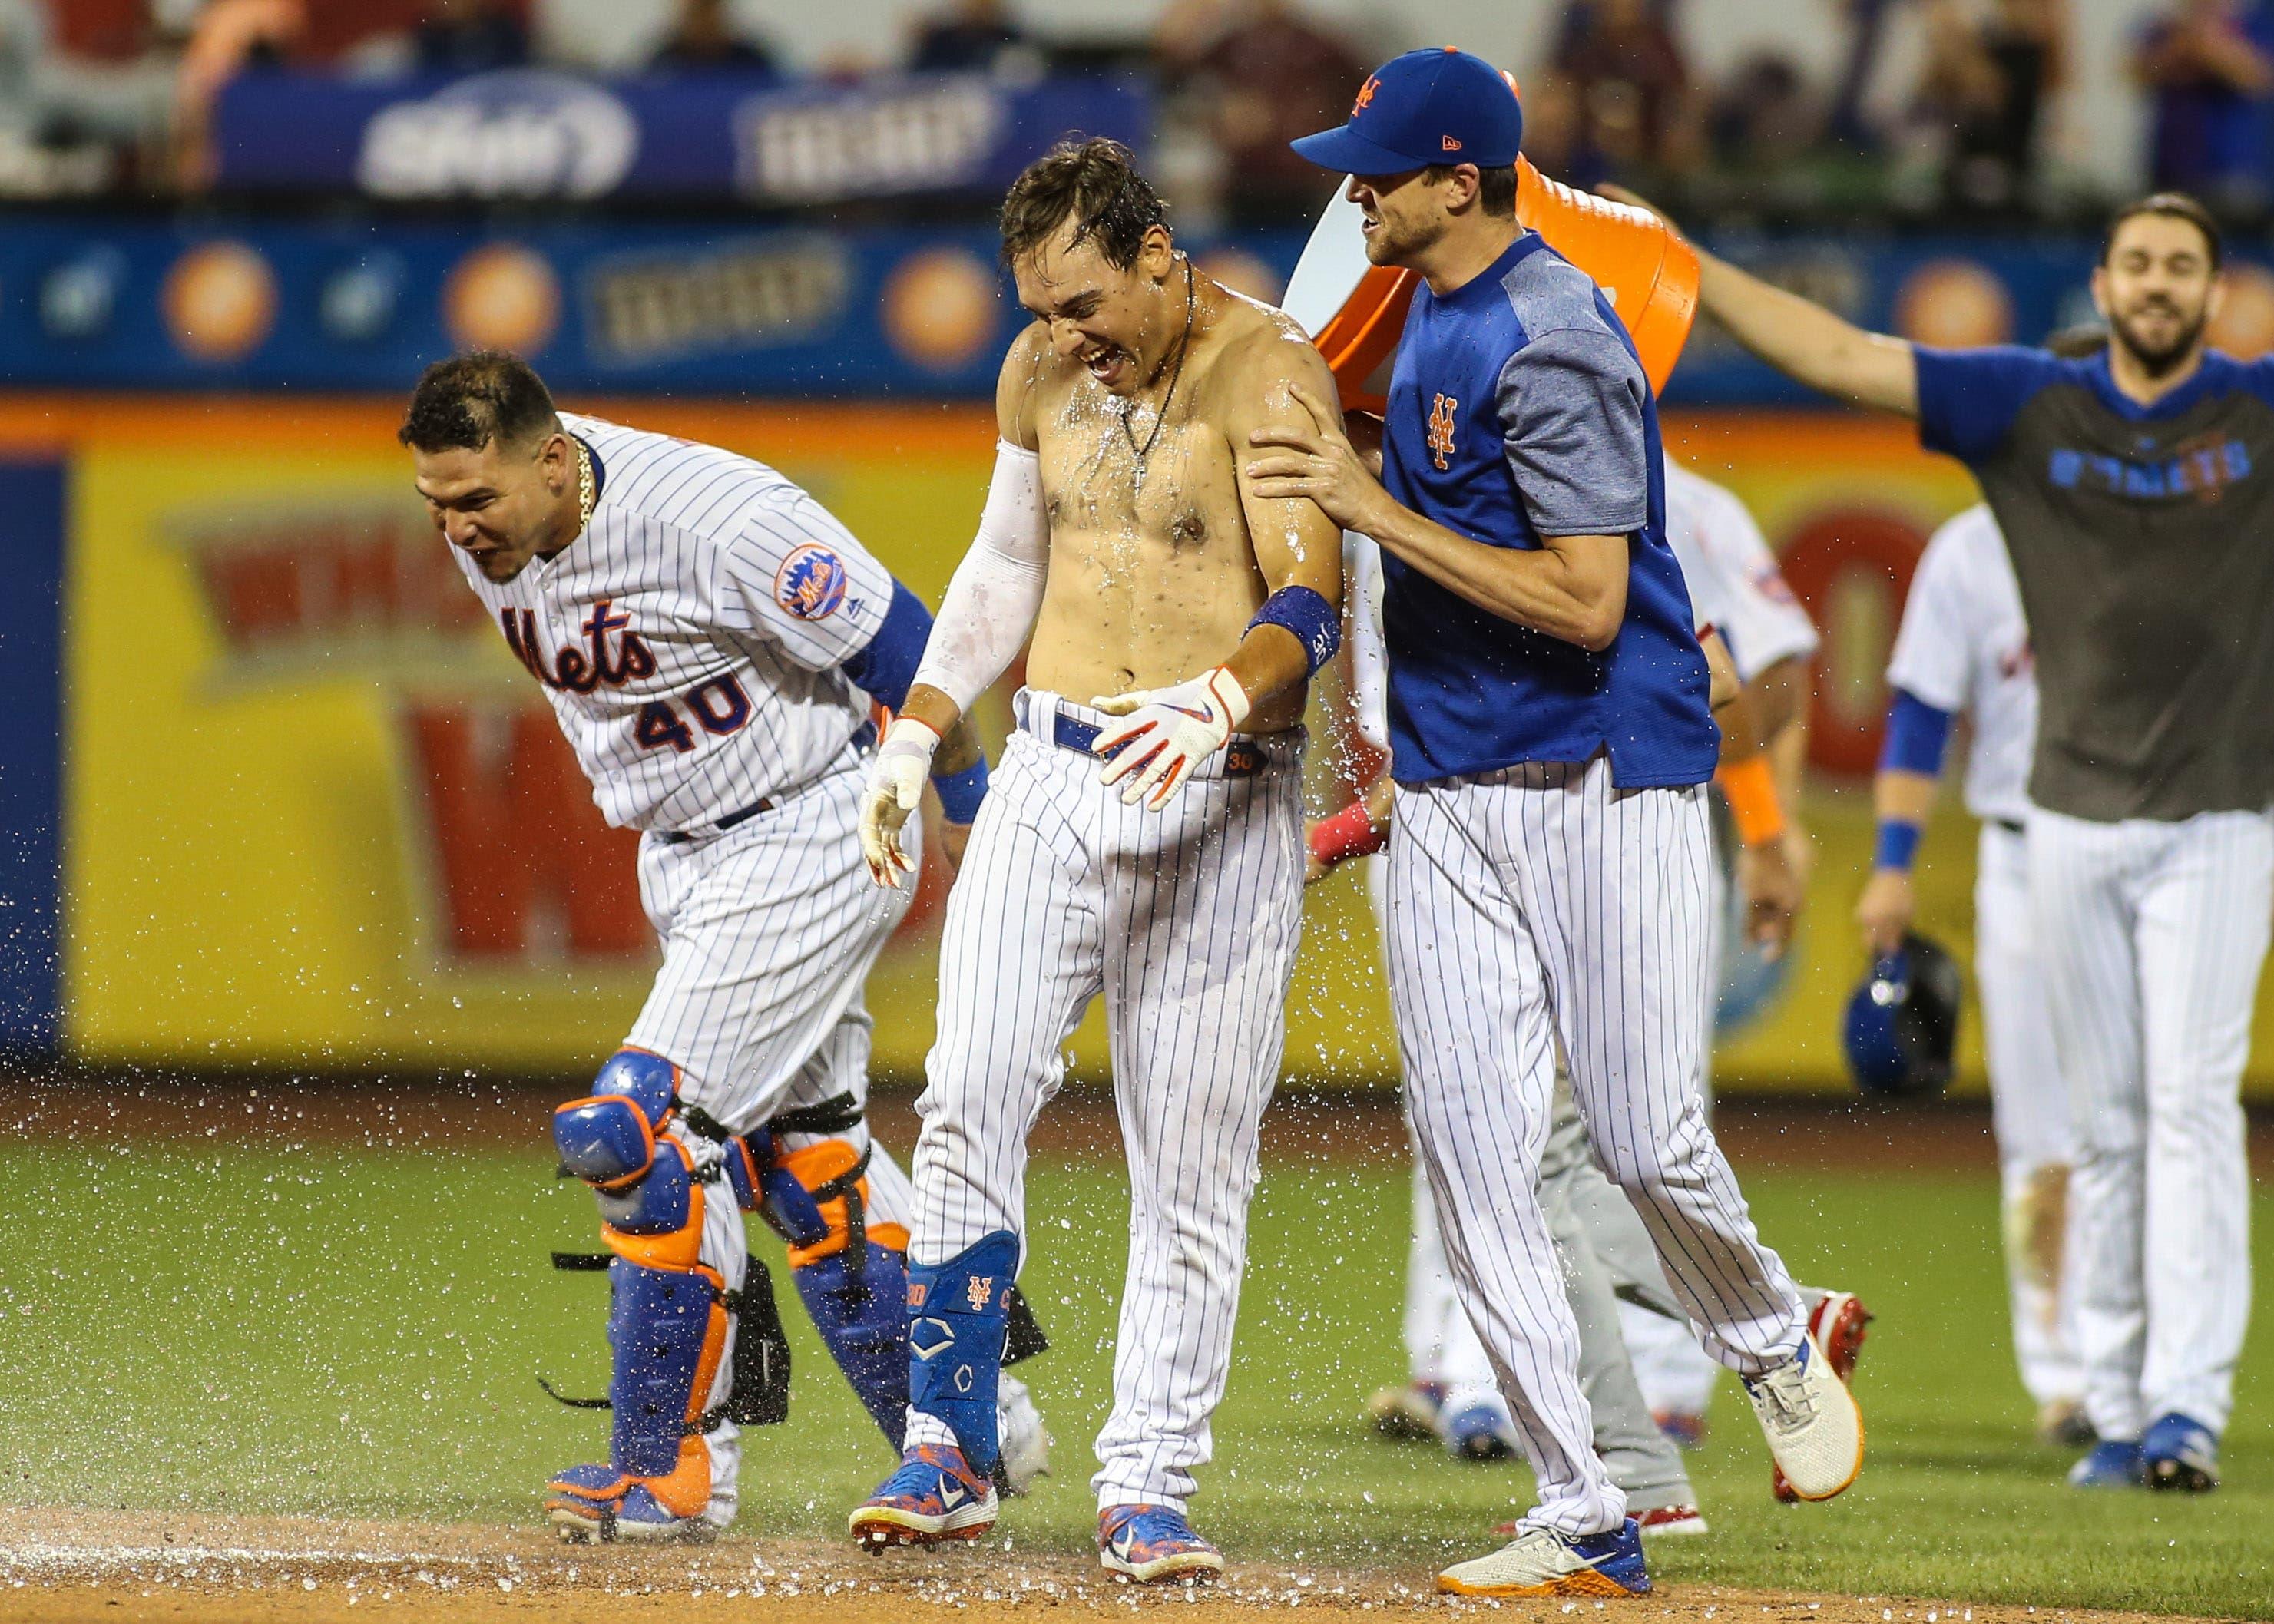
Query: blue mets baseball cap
x=1426, y=106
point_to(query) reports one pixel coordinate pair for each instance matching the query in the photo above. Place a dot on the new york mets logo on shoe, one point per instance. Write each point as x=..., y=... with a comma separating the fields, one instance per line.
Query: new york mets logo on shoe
x=1441, y=431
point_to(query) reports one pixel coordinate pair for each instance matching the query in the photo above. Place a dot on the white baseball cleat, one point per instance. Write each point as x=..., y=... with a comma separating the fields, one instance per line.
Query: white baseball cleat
x=1815, y=1431
x=1542, y=1562
x=1024, y=1440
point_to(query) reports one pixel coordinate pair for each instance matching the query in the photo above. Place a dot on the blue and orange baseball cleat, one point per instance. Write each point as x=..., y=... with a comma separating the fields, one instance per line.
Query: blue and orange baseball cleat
x=1542, y=1562
x=1152, y=1544
x=598, y=1504
x=934, y=1498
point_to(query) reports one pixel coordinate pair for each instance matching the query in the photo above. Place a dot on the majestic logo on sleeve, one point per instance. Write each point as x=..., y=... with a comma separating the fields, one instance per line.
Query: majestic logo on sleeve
x=581, y=670
x=811, y=583
x=1441, y=431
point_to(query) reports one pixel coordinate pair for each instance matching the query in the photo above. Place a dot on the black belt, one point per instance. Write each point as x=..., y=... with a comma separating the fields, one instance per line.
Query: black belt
x=679, y=836
x=863, y=737
x=2012, y=826
x=1243, y=758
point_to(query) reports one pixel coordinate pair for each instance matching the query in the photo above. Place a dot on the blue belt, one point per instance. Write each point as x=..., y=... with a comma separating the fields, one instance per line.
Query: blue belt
x=1243, y=758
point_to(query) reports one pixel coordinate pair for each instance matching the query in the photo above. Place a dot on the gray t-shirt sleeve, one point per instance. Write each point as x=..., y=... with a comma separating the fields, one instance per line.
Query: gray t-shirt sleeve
x=1571, y=411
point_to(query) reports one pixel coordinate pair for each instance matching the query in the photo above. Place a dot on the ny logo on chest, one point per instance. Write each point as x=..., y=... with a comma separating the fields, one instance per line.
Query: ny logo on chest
x=1441, y=431
x=581, y=669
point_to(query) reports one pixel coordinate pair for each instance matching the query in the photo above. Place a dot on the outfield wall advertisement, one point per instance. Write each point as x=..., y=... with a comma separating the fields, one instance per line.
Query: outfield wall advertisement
x=313, y=814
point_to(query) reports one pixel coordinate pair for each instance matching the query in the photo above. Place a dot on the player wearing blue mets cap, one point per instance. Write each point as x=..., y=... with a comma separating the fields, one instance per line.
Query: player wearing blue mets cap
x=1426, y=106
x=1549, y=844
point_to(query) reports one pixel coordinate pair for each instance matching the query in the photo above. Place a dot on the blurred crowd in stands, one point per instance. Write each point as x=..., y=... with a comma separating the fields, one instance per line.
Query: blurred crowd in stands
x=113, y=97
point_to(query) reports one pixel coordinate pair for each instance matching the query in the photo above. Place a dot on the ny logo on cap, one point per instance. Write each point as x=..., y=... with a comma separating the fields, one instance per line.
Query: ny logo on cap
x=1365, y=95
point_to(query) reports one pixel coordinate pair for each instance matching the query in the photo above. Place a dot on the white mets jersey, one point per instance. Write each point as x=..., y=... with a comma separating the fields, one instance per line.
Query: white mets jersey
x=1964, y=646
x=690, y=638
x=1734, y=584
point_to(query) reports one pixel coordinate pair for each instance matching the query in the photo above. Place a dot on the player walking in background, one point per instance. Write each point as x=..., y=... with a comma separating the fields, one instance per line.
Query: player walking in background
x=1551, y=742
x=710, y=638
x=2136, y=493
x=1144, y=844
x=1965, y=648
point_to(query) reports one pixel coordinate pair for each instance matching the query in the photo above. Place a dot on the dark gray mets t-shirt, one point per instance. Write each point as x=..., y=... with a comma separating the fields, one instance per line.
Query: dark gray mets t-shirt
x=2144, y=541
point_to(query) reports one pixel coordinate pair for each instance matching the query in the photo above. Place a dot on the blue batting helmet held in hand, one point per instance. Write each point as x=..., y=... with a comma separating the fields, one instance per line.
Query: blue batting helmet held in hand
x=1901, y=1025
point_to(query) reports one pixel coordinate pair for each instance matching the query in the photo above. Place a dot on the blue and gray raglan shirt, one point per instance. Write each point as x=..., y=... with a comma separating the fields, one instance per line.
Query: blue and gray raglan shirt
x=2142, y=540
x=1518, y=409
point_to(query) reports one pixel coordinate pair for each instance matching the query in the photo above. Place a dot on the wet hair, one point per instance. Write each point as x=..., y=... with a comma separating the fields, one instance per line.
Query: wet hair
x=465, y=402
x=1495, y=188
x=1093, y=183
x=2076, y=343
x=2171, y=205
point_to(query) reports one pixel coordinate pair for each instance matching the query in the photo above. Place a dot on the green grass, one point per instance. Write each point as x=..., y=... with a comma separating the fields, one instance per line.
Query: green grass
x=355, y=1333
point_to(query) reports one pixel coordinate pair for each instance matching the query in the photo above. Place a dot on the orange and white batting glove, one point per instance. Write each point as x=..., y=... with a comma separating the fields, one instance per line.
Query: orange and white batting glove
x=1167, y=731
x=896, y=786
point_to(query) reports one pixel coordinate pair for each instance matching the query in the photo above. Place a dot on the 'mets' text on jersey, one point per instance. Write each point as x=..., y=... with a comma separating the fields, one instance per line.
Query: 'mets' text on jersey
x=2142, y=540
x=1518, y=409
x=688, y=638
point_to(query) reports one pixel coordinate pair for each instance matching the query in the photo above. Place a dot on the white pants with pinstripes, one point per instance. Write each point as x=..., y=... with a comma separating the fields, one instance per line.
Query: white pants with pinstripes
x=2151, y=935
x=769, y=930
x=1533, y=904
x=1186, y=920
x=2029, y=1103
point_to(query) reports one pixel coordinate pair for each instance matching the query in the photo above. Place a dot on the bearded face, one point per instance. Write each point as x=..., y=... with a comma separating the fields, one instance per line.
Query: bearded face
x=2159, y=289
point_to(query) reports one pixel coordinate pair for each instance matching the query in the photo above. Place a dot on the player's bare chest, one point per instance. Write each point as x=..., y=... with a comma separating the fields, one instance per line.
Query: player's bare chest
x=1137, y=481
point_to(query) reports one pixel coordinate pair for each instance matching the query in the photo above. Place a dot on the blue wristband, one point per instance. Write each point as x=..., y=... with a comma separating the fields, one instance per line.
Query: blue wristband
x=1917, y=735
x=1308, y=618
x=960, y=792
x=1898, y=844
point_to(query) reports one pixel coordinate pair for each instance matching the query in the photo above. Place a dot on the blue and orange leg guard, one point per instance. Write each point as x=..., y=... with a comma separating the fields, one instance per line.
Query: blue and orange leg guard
x=667, y=1314
x=959, y=1319
x=851, y=1274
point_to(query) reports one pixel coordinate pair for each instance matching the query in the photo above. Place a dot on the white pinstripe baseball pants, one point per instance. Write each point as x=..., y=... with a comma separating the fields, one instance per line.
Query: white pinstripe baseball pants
x=2030, y=1112
x=1542, y=902
x=1186, y=920
x=769, y=930
x=2151, y=935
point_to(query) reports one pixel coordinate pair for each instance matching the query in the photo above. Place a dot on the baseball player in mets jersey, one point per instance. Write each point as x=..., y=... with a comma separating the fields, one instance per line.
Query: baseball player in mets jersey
x=2135, y=492
x=1143, y=840
x=710, y=639
x=1964, y=649
x=1549, y=848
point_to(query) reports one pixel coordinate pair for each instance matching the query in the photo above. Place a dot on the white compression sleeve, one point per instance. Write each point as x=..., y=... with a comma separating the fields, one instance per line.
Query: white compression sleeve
x=990, y=605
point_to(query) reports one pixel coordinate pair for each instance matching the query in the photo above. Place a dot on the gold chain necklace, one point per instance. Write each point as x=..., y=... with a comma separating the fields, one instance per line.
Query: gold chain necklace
x=586, y=495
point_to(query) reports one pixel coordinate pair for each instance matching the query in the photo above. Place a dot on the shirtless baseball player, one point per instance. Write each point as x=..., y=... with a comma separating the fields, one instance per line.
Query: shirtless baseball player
x=1550, y=744
x=1143, y=839
x=710, y=639
x=2130, y=488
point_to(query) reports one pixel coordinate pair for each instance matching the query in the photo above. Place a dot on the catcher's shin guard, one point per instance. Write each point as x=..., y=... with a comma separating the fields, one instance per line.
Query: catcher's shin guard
x=667, y=1316
x=852, y=1275
x=959, y=1319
